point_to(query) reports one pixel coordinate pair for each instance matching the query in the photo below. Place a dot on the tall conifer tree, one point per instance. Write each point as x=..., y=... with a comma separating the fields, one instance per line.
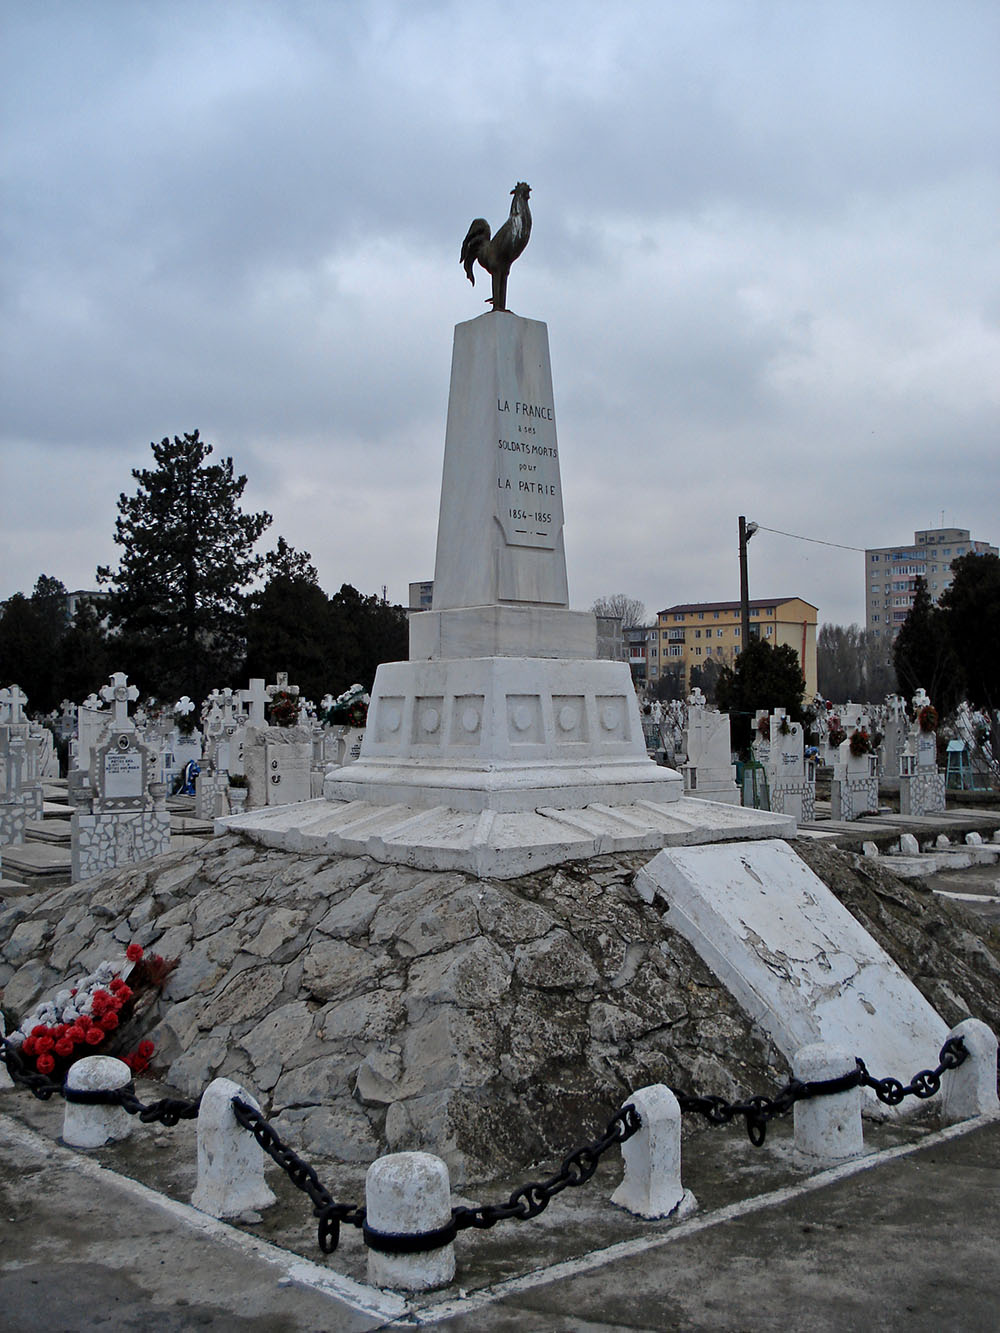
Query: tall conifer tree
x=177, y=599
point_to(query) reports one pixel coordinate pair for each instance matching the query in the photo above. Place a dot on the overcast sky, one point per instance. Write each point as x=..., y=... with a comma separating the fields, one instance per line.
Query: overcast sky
x=765, y=246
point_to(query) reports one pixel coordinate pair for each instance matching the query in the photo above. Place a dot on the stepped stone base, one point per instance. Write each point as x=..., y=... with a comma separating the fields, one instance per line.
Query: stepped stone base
x=499, y=845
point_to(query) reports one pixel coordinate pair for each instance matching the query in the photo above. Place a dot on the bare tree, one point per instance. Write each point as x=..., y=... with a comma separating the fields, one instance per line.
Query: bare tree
x=629, y=610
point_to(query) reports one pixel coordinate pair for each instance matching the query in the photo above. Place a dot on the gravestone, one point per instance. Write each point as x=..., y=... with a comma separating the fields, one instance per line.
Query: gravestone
x=854, y=788
x=125, y=818
x=709, y=772
x=791, y=778
x=921, y=782
x=91, y=719
x=20, y=784
x=277, y=760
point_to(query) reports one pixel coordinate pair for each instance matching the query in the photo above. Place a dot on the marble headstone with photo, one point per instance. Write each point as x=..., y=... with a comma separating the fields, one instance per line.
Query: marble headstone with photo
x=791, y=778
x=127, y=819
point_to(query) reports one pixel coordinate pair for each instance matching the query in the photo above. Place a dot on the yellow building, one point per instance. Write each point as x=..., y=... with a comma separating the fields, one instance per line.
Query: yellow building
x=694, y=633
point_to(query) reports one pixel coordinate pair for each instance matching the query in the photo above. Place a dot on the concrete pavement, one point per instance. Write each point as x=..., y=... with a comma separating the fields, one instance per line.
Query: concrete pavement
x=907, y=1237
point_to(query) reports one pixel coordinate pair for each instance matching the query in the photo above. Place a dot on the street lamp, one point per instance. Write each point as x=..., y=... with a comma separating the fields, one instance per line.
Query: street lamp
x=747, y=530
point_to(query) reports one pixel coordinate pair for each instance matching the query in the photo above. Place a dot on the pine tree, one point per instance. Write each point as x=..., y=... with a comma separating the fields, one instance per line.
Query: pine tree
x=177, y=599
x=922, y=653
x=31, y=631
x=288, y=626
x=762, y=677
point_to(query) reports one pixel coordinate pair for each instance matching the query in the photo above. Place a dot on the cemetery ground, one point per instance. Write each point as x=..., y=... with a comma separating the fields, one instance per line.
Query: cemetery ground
x=905, y=1237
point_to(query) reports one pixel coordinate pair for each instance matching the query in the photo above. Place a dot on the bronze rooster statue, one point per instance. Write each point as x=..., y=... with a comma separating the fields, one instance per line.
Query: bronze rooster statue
x=497, y=253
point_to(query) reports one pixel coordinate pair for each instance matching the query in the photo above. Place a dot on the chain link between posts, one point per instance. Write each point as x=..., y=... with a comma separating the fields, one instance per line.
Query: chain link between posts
x=530, y=1199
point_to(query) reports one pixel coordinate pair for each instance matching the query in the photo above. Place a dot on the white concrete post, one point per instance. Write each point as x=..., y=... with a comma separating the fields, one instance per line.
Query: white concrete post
x=92, y=1126
x=971, y=1089
x=230, y=1160
x=828, y=1127
x=652, y=1158
x=409, y=1192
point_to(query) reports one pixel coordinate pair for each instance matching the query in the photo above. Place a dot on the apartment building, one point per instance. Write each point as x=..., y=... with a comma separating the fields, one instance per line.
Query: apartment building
x=891, y=573
x=693, y=633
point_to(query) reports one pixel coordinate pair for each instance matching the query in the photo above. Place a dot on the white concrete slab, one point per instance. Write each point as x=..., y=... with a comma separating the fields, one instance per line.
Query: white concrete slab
x=499, y=844
x=795, y=958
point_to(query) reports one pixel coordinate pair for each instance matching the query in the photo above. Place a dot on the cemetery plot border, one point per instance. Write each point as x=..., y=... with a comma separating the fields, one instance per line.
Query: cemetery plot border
x=524, y=1203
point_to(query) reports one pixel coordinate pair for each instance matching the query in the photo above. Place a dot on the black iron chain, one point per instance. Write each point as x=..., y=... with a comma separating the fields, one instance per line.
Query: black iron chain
x=303, y=1176
x=37, y=1084
x=576, y=1169
x=168, y=1111
x=758, y=1112
x=924, y=1084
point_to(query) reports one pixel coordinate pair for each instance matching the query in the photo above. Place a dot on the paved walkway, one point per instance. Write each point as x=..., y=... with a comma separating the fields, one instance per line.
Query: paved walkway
x=906, y=1239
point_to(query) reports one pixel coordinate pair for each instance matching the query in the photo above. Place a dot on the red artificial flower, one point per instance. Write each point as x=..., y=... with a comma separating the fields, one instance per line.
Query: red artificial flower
x=83, y=1022
x=39, y=1030
x=116, y=984
x=28, y=1046
x=64, y=1046
x=109, y=1021
x=45, y=1064
x=145, y=1049
x=101, y=1000
x=124, y=994
x=133, y=953
x=94, y=1036
x=76, y=1033
x=44, y=1043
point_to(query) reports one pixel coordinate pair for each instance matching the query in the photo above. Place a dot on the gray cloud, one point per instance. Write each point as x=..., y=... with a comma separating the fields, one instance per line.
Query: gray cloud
x=764, y=245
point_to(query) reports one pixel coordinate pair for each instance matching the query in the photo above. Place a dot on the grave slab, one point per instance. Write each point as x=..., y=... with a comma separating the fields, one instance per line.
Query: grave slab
x=37, y=858
x=793, y=956
x=56, y=831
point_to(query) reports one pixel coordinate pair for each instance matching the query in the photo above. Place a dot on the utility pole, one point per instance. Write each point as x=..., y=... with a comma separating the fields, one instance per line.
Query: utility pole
x=747, y=530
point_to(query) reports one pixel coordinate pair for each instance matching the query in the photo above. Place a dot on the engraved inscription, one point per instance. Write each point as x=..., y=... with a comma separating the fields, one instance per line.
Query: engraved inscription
x=529, y=500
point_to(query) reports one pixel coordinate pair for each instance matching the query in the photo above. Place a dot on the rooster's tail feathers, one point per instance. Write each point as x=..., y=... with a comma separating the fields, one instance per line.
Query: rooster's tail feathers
x=476, y=238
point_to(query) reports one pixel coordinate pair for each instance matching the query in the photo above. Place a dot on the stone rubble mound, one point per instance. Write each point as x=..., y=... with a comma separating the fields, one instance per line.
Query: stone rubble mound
x=375, y=1008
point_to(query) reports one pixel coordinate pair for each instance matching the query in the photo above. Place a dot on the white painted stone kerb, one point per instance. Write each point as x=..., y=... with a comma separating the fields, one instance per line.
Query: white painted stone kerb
x=93, y=1126
x=408, y=1193
x=652, y=1158
x=827, y=1128
x=971, y=1089
x=230, y=1160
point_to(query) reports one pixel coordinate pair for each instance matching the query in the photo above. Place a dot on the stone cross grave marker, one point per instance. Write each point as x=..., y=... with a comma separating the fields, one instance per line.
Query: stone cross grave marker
x=12, y=703
x=119, y=694
x=257, y=696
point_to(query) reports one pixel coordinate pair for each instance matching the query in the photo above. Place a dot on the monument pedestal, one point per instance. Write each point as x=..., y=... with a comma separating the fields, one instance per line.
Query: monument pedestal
x=504, y=744
x=504, y=734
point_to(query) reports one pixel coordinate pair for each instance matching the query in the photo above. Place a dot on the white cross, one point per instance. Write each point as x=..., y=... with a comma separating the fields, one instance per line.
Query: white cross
x=282, y=686
x=920, y=700
x=92, y=703
x=13, y=699
x=184, y=705
x=119, y=693
x=228, y=705
x=256, y=696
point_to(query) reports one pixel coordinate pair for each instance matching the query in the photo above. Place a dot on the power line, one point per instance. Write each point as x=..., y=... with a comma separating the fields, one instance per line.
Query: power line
x=815, y=540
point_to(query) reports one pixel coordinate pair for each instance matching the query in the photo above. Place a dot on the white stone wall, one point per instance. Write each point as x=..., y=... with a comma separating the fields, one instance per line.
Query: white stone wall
x=850, y=798
x=12, y=821
x=794, y=798
x=116, y=838
x=922, y=794
x=211, y=795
